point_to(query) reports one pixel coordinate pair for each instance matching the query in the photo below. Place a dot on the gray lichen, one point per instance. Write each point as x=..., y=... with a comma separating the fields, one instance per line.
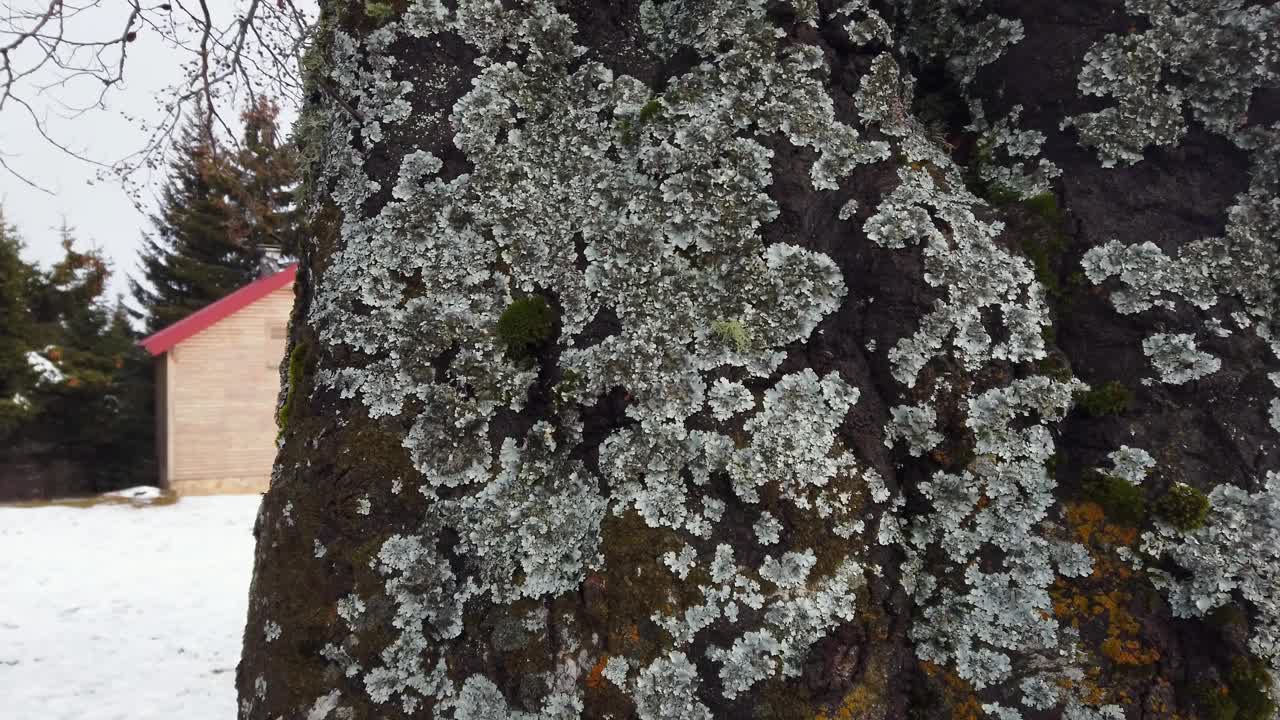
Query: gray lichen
x=586, y=187
x=1176, y=358
x=1236, y=553
x=1206, y=56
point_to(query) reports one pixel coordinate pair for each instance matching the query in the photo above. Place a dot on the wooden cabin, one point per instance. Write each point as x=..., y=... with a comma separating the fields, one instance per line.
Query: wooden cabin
x=217, y=382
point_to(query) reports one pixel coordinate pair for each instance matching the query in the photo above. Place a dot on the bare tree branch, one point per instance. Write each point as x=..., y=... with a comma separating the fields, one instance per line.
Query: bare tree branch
x=48, y=52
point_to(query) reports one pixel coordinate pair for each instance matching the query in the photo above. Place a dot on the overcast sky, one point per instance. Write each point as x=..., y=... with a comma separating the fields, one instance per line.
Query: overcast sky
x=100, y=211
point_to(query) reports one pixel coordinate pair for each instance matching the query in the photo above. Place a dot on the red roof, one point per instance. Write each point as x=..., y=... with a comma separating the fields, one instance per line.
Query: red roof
x=165, y=339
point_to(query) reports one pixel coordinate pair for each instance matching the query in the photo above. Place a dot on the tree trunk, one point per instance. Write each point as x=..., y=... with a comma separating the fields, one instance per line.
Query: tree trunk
x=731, y=358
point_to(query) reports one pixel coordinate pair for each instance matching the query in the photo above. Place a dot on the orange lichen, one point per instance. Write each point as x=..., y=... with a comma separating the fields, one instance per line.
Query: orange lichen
x=1103, y=599
x=595, y=679
x=957, y=692
x=1087, y=521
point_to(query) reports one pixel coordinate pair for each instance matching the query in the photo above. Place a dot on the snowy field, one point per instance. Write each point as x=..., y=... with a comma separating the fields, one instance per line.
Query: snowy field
x=120, y=612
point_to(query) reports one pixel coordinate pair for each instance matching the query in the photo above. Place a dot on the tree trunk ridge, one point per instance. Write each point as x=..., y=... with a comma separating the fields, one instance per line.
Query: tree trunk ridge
x=731, y=358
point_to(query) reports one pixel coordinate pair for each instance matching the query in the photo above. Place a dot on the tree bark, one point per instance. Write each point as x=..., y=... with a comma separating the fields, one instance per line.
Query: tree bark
x=730, y=358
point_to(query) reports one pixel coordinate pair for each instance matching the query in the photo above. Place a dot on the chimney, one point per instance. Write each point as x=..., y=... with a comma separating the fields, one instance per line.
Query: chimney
x=270, y=260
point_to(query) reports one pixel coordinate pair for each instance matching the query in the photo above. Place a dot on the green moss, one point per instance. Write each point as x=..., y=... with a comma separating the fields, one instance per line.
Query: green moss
x=1123, y=501
x=1244, y=696
x=732, y=333
x=1049, y=333
x=627, y=135
x=526, y=324
x=379, y=12
x=1110, y=398
x=650, y=110
x=297, y=366
x=1051, y=465
x=1183, y=507
x=566, y=390
x=634, y=586
x=1055, y=367
x=1046, y=206
x=1044, y=250
x=1000, y=196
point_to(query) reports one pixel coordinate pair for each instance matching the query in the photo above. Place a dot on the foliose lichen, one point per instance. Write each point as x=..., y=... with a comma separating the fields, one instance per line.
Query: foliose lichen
x=1236, y=553
x=1204, y=56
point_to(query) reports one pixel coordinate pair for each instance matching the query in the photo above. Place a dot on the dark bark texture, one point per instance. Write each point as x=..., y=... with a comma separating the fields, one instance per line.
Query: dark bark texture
x=812, y=359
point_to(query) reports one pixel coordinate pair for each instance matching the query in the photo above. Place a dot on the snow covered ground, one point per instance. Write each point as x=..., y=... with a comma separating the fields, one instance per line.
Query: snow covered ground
x=123, y=612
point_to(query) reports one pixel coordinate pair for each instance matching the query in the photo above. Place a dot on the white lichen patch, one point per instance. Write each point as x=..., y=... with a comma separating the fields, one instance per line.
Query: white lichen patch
x=480, y=699
x=1149, y=276
x=915, y=424
x=1176, y=358
x=350, y=608
x=1274, y=411
x=680, y=562
x=798, y=614
x=1131, y=464
x=428, y=609
x=727, y=399
x=324, y=706
x=975, y=271
x=1009, y=157
x=976, y=618
x=666, y=689
x=767, y=529
x=615, y=671
x=1206, y=56
x=794, y=455
x=1235, y=554
x=961, y=33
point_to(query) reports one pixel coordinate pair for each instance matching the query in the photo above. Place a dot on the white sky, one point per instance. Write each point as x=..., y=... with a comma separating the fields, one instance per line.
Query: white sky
x=101, y=212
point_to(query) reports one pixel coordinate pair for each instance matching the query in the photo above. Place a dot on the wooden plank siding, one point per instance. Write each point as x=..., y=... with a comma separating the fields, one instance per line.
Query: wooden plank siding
x=220, y=392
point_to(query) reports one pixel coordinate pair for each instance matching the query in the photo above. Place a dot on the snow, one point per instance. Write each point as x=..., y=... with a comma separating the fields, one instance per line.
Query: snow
x=124, y=610
x=141, y=493
x=44, y=367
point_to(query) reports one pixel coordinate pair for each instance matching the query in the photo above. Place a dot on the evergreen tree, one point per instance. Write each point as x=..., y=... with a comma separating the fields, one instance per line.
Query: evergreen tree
x=194, y=257
x=100, y=408
x=263, y=182
x=16, y=325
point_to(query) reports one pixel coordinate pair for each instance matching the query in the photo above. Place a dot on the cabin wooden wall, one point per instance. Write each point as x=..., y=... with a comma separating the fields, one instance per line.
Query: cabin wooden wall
x=220, y=392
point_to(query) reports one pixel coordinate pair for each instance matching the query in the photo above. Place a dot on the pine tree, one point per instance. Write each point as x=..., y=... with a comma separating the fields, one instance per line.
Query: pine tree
x=99, y=411
x=263, y=182
x=16, y=327
x=194, y=257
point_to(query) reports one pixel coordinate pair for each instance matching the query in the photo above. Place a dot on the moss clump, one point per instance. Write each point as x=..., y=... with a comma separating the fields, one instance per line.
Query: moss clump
x=1123, y=501
x=650, y=110
x=732, y=333
x=1183, y=507
x=379, y=12
x=1111, y=398
x=1046, y=206
x=1055, y=367
x=1044, y=250
x=1245, y=695
x=297, y=366
x=526, y=324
